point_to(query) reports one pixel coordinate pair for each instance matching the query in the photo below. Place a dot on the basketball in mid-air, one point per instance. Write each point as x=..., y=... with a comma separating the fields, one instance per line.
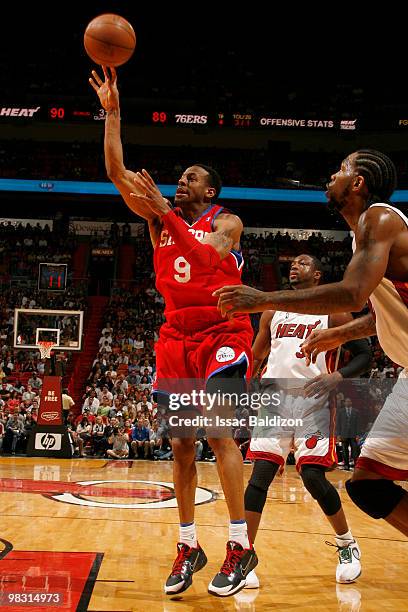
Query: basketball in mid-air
x=109, y=40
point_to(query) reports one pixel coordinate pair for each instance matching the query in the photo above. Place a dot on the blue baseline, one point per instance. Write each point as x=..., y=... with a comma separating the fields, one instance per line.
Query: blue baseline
x=227, y=193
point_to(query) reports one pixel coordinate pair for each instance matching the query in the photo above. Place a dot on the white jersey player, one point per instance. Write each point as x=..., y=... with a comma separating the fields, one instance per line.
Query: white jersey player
x=304, y=394
x=378, y=271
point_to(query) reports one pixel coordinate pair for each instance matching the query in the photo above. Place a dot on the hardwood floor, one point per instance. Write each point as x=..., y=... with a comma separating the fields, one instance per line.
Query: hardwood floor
x=103, y=534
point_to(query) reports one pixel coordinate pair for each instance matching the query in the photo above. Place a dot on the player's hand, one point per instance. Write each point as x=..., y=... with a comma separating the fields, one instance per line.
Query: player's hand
x=322, y=384
x=152, y=196
x=318, y=342
x=238, y=298
x=107, y=90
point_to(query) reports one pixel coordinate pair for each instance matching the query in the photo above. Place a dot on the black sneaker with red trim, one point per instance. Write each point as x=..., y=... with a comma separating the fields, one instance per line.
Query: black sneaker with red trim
x=236, y=567
x=188, y=561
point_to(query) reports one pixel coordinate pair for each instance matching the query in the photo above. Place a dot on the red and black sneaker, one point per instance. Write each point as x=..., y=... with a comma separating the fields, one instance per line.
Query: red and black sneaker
x=236, y=567
x=188, y=561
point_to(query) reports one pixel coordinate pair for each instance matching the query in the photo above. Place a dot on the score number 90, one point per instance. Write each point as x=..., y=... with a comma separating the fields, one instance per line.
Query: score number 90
x=57, y=112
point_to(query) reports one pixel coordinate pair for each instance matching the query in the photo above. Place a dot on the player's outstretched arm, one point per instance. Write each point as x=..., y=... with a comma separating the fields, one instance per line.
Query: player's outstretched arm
x=121, y=177
x=376, y=232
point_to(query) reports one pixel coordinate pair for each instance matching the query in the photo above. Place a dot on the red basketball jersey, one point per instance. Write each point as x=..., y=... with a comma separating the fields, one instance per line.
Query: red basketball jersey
x=184, y=284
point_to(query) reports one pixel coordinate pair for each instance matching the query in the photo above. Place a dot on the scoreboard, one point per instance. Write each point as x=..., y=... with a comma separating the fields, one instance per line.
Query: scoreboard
x=61, y=112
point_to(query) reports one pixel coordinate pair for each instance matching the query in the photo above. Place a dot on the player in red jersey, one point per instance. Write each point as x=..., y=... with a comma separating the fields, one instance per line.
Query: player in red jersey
x=196, y=250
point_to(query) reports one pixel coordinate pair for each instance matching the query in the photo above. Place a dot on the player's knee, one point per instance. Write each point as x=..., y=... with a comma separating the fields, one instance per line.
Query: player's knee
x=262, y=475
x=315, y=481
x=223, y=446
x=254, y=499
x=375, y=497
x=183, y=448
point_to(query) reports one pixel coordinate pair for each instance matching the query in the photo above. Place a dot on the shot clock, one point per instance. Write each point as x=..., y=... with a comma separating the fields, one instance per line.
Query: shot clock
x=52, y=277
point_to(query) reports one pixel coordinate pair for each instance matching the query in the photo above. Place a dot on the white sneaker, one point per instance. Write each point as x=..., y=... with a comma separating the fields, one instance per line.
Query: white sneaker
x=252, y=581
x=349, y=567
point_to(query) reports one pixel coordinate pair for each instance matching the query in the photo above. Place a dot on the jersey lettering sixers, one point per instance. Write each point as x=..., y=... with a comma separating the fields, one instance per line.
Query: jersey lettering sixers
x=184, y=284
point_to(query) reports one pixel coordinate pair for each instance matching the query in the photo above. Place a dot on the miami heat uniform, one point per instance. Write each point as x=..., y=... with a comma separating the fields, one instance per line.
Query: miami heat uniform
x=196, y=342
x=308, y=424
x=385, y=450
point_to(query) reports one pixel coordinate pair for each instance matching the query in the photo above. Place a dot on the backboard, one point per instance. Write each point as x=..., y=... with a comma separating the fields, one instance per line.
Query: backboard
x=63, y=327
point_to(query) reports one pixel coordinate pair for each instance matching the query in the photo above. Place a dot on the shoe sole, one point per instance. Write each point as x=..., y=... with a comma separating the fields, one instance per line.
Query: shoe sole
x=349, y=581
x=187, y=584
x=251, y=586
x=237, y=589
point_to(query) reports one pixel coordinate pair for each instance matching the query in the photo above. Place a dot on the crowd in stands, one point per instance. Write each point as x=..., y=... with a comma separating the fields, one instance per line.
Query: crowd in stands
x=21, y=371
x=117, y=416
x=237, y=167
x=24, y=246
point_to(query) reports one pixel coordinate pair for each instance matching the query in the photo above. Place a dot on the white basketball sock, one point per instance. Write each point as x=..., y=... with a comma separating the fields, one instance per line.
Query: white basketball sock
x=188, y=534
x=238, y=532
x=344, y=539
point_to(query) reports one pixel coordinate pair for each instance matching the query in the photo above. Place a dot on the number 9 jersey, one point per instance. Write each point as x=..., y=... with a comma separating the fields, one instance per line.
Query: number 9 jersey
x=196, y=342
x=183, y=284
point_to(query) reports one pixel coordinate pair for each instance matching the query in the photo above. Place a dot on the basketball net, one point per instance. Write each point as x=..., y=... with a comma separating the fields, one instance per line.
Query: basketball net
x=45, y=347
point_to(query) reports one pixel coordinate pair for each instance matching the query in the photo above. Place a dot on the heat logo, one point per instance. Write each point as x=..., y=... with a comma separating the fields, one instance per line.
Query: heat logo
x=18, y=112
x=348, y=124
x=312, y=439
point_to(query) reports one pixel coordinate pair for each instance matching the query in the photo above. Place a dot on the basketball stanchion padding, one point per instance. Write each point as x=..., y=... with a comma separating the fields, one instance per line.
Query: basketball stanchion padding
x=50, y=437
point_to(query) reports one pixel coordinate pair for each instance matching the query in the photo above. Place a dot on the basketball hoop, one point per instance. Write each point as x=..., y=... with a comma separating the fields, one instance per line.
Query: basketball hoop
x=45, y=347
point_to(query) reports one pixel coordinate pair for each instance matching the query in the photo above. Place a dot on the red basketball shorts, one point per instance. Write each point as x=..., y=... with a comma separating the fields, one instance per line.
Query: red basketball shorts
x=196, y=343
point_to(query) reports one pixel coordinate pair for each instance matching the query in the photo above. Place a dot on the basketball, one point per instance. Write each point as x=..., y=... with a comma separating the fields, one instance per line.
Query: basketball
x=109, y=40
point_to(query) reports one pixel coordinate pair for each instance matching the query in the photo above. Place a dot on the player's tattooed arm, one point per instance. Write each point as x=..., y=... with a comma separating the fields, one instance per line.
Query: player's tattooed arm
x=376, y=232
x=228, y=230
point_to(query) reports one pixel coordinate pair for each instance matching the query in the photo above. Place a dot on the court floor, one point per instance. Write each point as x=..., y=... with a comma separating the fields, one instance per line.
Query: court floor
x=100, y=536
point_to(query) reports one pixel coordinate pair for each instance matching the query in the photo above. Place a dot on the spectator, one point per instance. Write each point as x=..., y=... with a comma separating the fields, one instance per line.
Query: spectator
x=119, y=441
x=98, y=441
x=84, y=430
x=104, y=407
x=91, y=402
x=35, y=382
x=140, y=439
x=144, y=406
